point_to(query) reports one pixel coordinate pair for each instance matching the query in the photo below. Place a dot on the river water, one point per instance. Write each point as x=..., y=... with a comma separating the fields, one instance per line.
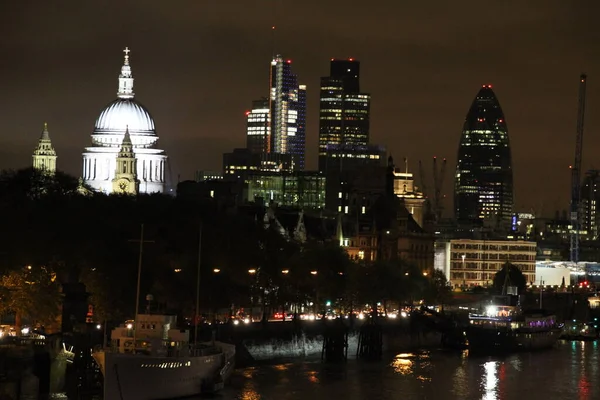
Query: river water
x=569, y=371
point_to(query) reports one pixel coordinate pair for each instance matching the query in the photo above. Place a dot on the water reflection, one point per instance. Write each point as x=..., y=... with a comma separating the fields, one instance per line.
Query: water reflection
x=402, y=364
x=490, y=380
x=569, y=372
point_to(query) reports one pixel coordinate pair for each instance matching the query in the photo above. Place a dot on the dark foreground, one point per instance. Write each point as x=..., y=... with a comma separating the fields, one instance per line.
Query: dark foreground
x=569, y=371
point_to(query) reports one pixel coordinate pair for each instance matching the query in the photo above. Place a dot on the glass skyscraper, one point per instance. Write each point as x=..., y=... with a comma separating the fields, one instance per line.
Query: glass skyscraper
x=277, y=123
x=344, y=110
x=288, y=112
x=483, y=191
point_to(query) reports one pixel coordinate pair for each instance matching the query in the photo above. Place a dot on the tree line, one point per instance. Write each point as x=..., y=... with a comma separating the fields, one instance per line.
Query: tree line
x=56, y=233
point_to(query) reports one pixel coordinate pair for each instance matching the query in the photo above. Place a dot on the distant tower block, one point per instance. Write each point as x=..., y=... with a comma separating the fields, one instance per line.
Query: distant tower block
x=44, y=156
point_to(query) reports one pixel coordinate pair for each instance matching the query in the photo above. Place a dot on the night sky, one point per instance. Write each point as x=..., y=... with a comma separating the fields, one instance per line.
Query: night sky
x=198, y=65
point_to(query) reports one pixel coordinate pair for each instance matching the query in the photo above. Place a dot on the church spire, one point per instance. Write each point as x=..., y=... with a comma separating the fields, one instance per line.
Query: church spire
x=125, y=180
x=126, y=78
x=45, y=133
x=44, y=156
x=126, y=141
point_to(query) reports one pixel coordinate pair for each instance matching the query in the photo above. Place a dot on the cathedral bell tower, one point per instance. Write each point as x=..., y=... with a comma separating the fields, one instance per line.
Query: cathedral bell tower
x=44, y=156
x=125, y=181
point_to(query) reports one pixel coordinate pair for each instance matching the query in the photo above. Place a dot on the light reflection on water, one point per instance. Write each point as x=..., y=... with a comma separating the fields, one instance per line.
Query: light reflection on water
x=568, y=372
x=490, y=380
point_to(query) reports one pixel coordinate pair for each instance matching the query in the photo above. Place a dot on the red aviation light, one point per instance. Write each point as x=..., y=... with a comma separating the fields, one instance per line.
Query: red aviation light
x=351, y=59
x=289, y=61
x=247, y=113
x=500, y=120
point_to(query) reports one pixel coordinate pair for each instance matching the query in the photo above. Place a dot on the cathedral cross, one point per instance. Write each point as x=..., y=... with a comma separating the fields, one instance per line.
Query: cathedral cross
x=126, y=51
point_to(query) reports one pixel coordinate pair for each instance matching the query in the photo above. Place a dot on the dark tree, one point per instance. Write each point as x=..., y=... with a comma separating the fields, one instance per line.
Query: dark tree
x=515, y=278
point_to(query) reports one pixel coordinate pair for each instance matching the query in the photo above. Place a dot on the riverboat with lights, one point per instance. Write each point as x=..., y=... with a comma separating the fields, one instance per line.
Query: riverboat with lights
x=161, y=363
x=505, y=329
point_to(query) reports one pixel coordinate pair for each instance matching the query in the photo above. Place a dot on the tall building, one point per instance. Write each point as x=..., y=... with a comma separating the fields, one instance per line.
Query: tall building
x=343, y=112
x=124, y=113
x=125, y=180
x=483, y=191
x=590, y=206
x=258, y=127
x=44, y=156
x=288, y=105
x=277, y=123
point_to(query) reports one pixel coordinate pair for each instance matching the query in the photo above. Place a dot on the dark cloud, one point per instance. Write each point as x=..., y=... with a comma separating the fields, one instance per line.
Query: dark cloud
x=199, y=64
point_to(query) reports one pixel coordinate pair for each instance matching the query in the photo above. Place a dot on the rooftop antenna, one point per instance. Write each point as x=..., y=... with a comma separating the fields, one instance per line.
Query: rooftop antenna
x=273, y=42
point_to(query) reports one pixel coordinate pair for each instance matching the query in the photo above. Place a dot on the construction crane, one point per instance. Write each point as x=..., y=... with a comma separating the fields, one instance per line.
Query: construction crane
x=576, y=173
x=438, y=183
x=427, y=211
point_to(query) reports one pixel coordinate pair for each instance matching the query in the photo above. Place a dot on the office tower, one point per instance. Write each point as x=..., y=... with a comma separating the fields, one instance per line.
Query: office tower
x=288, y=112
x=258, y=127
x=343, y=113
x=483, y=191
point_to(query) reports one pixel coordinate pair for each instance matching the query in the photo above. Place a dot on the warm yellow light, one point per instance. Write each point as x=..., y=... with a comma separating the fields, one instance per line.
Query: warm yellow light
x=177, y=269
x=313, y=272
x=252, y=271
x=424, y=273
x=216, y=270
x=285, y=271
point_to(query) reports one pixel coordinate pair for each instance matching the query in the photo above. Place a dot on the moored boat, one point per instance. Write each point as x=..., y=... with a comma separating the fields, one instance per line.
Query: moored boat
x=506, y=329
x=161, y=364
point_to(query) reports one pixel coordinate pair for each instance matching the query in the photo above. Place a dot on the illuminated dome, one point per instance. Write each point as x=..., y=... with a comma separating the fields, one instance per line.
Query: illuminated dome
x=125, y=113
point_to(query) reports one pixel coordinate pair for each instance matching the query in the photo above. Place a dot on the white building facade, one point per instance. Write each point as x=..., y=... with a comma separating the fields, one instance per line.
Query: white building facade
x=100, y=159
x=467, y=262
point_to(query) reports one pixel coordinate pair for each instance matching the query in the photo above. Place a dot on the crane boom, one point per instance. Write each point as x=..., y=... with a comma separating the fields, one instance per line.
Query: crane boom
x=576, y=172
x=438, y=183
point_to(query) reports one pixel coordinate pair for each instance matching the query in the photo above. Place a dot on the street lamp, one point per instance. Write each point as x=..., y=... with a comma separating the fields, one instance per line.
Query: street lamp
x=285, y=271
x=252, y=271
x=313, y=272
x=216, y=270
x=425, y=273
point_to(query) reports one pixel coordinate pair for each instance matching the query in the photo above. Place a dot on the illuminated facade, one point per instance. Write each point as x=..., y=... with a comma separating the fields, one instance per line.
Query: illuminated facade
x=467, y=262
x=44, y=156
x=288, y=112
x=258, y=127
x=590, y=201
x=100, y=159
x=241, y=162
x=302, y=189
x=343, y=112
x=125, y=180
x=483, y=191
x=412, y=197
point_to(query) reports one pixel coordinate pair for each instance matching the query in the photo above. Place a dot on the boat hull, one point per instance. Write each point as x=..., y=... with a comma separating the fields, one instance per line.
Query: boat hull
x=499, y=340
x=141, y=377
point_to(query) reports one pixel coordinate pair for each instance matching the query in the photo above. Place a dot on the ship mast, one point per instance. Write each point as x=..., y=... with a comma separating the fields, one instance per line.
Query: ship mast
x=139, y=278
x=197, y=316
x=137, y=293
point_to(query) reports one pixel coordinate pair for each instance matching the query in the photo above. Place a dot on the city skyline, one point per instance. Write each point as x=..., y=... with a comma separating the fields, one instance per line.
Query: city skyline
x=421, y=79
